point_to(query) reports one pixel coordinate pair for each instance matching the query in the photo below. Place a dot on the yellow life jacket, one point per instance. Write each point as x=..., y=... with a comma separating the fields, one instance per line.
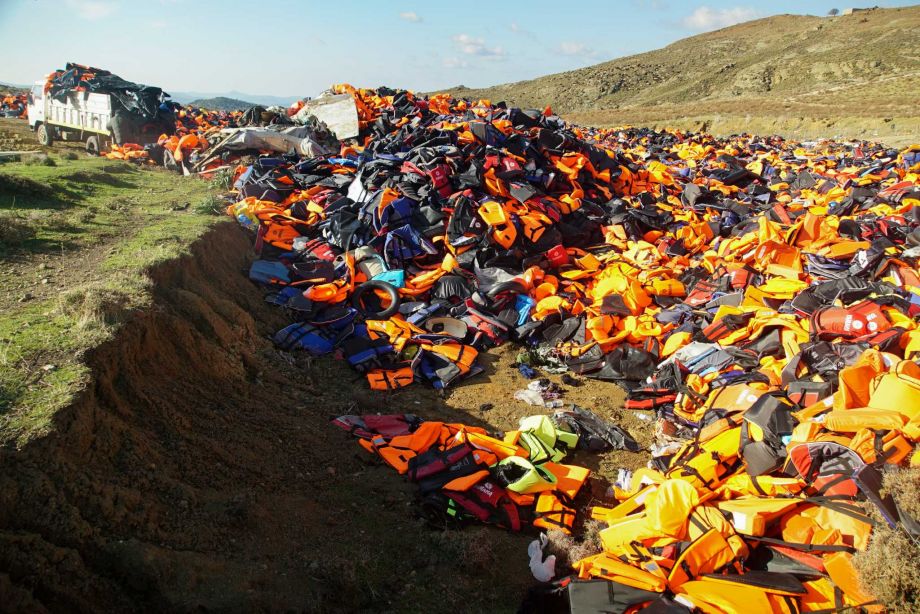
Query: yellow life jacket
x=611, y=568
x=852, y=420
x=624, y=531
x=485, y=442
x=898, y=390
x=717, y=595
x=635, y=502
x=710, y=463
x=820, y=594
x=750, y=516
x=668, y=508
x=744, y=485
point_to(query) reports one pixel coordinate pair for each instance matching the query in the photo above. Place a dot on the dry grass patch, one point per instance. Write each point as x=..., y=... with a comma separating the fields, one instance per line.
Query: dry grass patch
x=15, y=229
x=569, y=549
x=889, y=567
x=95, y=305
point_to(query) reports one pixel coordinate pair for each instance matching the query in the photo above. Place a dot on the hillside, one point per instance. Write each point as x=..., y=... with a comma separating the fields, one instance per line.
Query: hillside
x=855, y=76
x=7, y=89
x=259, y=99
x=221, y=103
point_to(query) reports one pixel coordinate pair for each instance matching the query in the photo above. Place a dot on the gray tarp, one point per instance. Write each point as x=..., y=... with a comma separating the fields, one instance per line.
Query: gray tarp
x=279, y=139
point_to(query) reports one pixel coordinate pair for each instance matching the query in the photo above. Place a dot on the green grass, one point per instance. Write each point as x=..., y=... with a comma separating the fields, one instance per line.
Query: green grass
x=78, y=202
x=104, y=224
x=166, y=237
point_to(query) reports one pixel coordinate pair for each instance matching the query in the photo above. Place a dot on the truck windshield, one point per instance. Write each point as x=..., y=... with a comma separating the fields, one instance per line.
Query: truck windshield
x=37, y=91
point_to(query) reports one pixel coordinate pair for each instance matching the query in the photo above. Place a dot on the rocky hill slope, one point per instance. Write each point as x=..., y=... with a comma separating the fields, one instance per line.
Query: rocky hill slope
x=854, y=76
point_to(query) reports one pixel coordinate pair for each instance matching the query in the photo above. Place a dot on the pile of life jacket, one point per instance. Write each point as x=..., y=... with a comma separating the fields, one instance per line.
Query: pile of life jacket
x=669, y=263
x=765, y=506
x=759, y=295
x=14, y=105
x=128, y=151
x=512, y=480
x=197, y=120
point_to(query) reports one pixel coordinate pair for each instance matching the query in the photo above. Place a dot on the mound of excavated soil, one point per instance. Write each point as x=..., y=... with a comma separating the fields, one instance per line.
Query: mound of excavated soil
x=199, y=472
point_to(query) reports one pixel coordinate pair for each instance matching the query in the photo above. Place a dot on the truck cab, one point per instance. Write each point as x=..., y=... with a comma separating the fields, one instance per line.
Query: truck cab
x=36, y=104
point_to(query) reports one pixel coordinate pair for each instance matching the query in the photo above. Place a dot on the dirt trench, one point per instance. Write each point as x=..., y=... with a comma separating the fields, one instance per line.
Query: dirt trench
x=199, y=473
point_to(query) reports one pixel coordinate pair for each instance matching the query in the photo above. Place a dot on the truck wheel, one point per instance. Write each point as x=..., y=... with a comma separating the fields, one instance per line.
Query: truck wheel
x=44, y=135
x=92, y=145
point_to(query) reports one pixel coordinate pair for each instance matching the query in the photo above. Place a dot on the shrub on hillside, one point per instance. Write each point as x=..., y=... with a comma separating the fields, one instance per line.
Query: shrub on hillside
x=888, y=568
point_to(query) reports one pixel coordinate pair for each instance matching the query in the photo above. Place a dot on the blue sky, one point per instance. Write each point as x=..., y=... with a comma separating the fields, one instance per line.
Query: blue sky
x=285, y=47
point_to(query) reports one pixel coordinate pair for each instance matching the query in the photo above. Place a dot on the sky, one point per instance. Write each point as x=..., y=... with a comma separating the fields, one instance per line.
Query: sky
x=299, y=48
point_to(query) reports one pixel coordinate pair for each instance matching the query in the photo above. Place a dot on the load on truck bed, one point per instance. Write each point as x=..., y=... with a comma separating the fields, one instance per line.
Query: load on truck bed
x=96, y=107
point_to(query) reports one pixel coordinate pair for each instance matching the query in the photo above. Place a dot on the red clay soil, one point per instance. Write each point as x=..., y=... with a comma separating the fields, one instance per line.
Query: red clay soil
x=199, y=473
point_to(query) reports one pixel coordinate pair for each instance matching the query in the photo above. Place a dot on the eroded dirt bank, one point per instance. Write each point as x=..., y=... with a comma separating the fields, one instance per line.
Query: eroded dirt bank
x=199, y=472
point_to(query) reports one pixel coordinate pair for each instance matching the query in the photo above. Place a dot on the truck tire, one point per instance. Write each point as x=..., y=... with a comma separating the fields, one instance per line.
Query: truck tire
x=92, y=145
x=43, y=133
x=369, y=286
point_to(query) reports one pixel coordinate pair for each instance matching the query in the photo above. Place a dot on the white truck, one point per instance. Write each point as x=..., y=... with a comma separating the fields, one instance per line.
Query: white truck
x=86, y=117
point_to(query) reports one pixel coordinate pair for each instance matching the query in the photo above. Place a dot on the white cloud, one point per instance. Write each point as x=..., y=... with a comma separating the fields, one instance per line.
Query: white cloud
x=476, y=46
x=455, y=63
x=92, y=9
x=159, y=24
x=410, y=16
x=518, y=30
x=705, y=18
x=579, y=49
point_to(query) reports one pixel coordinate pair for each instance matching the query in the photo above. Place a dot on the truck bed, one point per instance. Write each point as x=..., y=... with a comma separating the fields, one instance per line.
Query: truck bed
x=81, y=111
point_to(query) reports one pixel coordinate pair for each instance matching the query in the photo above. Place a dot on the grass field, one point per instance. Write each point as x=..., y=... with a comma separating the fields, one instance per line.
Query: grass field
x=76, y=237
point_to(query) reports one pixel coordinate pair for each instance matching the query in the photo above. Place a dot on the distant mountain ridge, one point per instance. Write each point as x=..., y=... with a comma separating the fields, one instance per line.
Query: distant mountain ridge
x=254, y=99
x=221, y=103
x=12, y=88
